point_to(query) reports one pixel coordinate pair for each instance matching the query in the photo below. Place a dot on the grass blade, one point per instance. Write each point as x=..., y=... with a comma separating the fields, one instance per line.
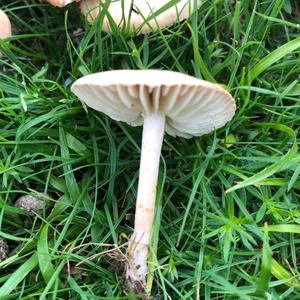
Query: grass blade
x=274, y=57
x=19, y=275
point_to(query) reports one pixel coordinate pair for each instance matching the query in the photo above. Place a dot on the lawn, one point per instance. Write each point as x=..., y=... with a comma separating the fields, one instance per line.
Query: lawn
x=227, y=222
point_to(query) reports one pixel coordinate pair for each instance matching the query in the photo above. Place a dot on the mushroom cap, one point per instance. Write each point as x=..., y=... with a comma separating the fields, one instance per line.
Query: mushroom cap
x=61, y=3
x=192, y=106
x=5, y=25
x=141, y=14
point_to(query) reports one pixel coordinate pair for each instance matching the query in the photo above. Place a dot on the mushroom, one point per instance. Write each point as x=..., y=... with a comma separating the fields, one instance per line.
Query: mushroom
x=5, y=25
x=161, y=101
x=61, y=3
x=142, y=15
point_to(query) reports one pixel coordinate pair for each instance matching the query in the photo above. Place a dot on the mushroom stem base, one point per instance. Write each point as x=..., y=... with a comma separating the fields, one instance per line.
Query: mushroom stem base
x=138, y=248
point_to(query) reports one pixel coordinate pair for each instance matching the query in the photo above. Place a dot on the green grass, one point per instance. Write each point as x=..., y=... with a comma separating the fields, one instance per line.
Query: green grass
x=211, y=244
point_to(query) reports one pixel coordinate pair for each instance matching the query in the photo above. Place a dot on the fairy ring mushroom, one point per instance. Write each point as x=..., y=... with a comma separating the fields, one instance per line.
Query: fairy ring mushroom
x=5, y=25
x=143, y=15
x=161, y=101
x=61, y=3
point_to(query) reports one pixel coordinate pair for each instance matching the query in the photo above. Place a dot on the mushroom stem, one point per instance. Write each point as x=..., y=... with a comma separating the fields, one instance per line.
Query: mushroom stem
x=138, y=248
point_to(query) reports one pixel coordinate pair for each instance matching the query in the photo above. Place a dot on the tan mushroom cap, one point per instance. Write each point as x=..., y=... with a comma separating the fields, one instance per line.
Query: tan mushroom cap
x=5, y=25
x=192, y=106
x=143, y=15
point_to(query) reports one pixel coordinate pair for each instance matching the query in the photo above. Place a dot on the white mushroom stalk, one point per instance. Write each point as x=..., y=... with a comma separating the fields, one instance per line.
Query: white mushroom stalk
x=161, y=101
x=137, y=254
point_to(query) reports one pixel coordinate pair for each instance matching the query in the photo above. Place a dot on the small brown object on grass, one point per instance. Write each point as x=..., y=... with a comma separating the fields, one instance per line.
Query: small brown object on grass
x=4, y=250
x=30, y=204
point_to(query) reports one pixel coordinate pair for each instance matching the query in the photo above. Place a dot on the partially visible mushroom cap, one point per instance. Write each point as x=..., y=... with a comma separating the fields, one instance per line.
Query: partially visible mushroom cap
x=30, y=204
x=143, y=15
x=192, y=106
x=4, y=250
x=5, y=25
x=61, y=3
